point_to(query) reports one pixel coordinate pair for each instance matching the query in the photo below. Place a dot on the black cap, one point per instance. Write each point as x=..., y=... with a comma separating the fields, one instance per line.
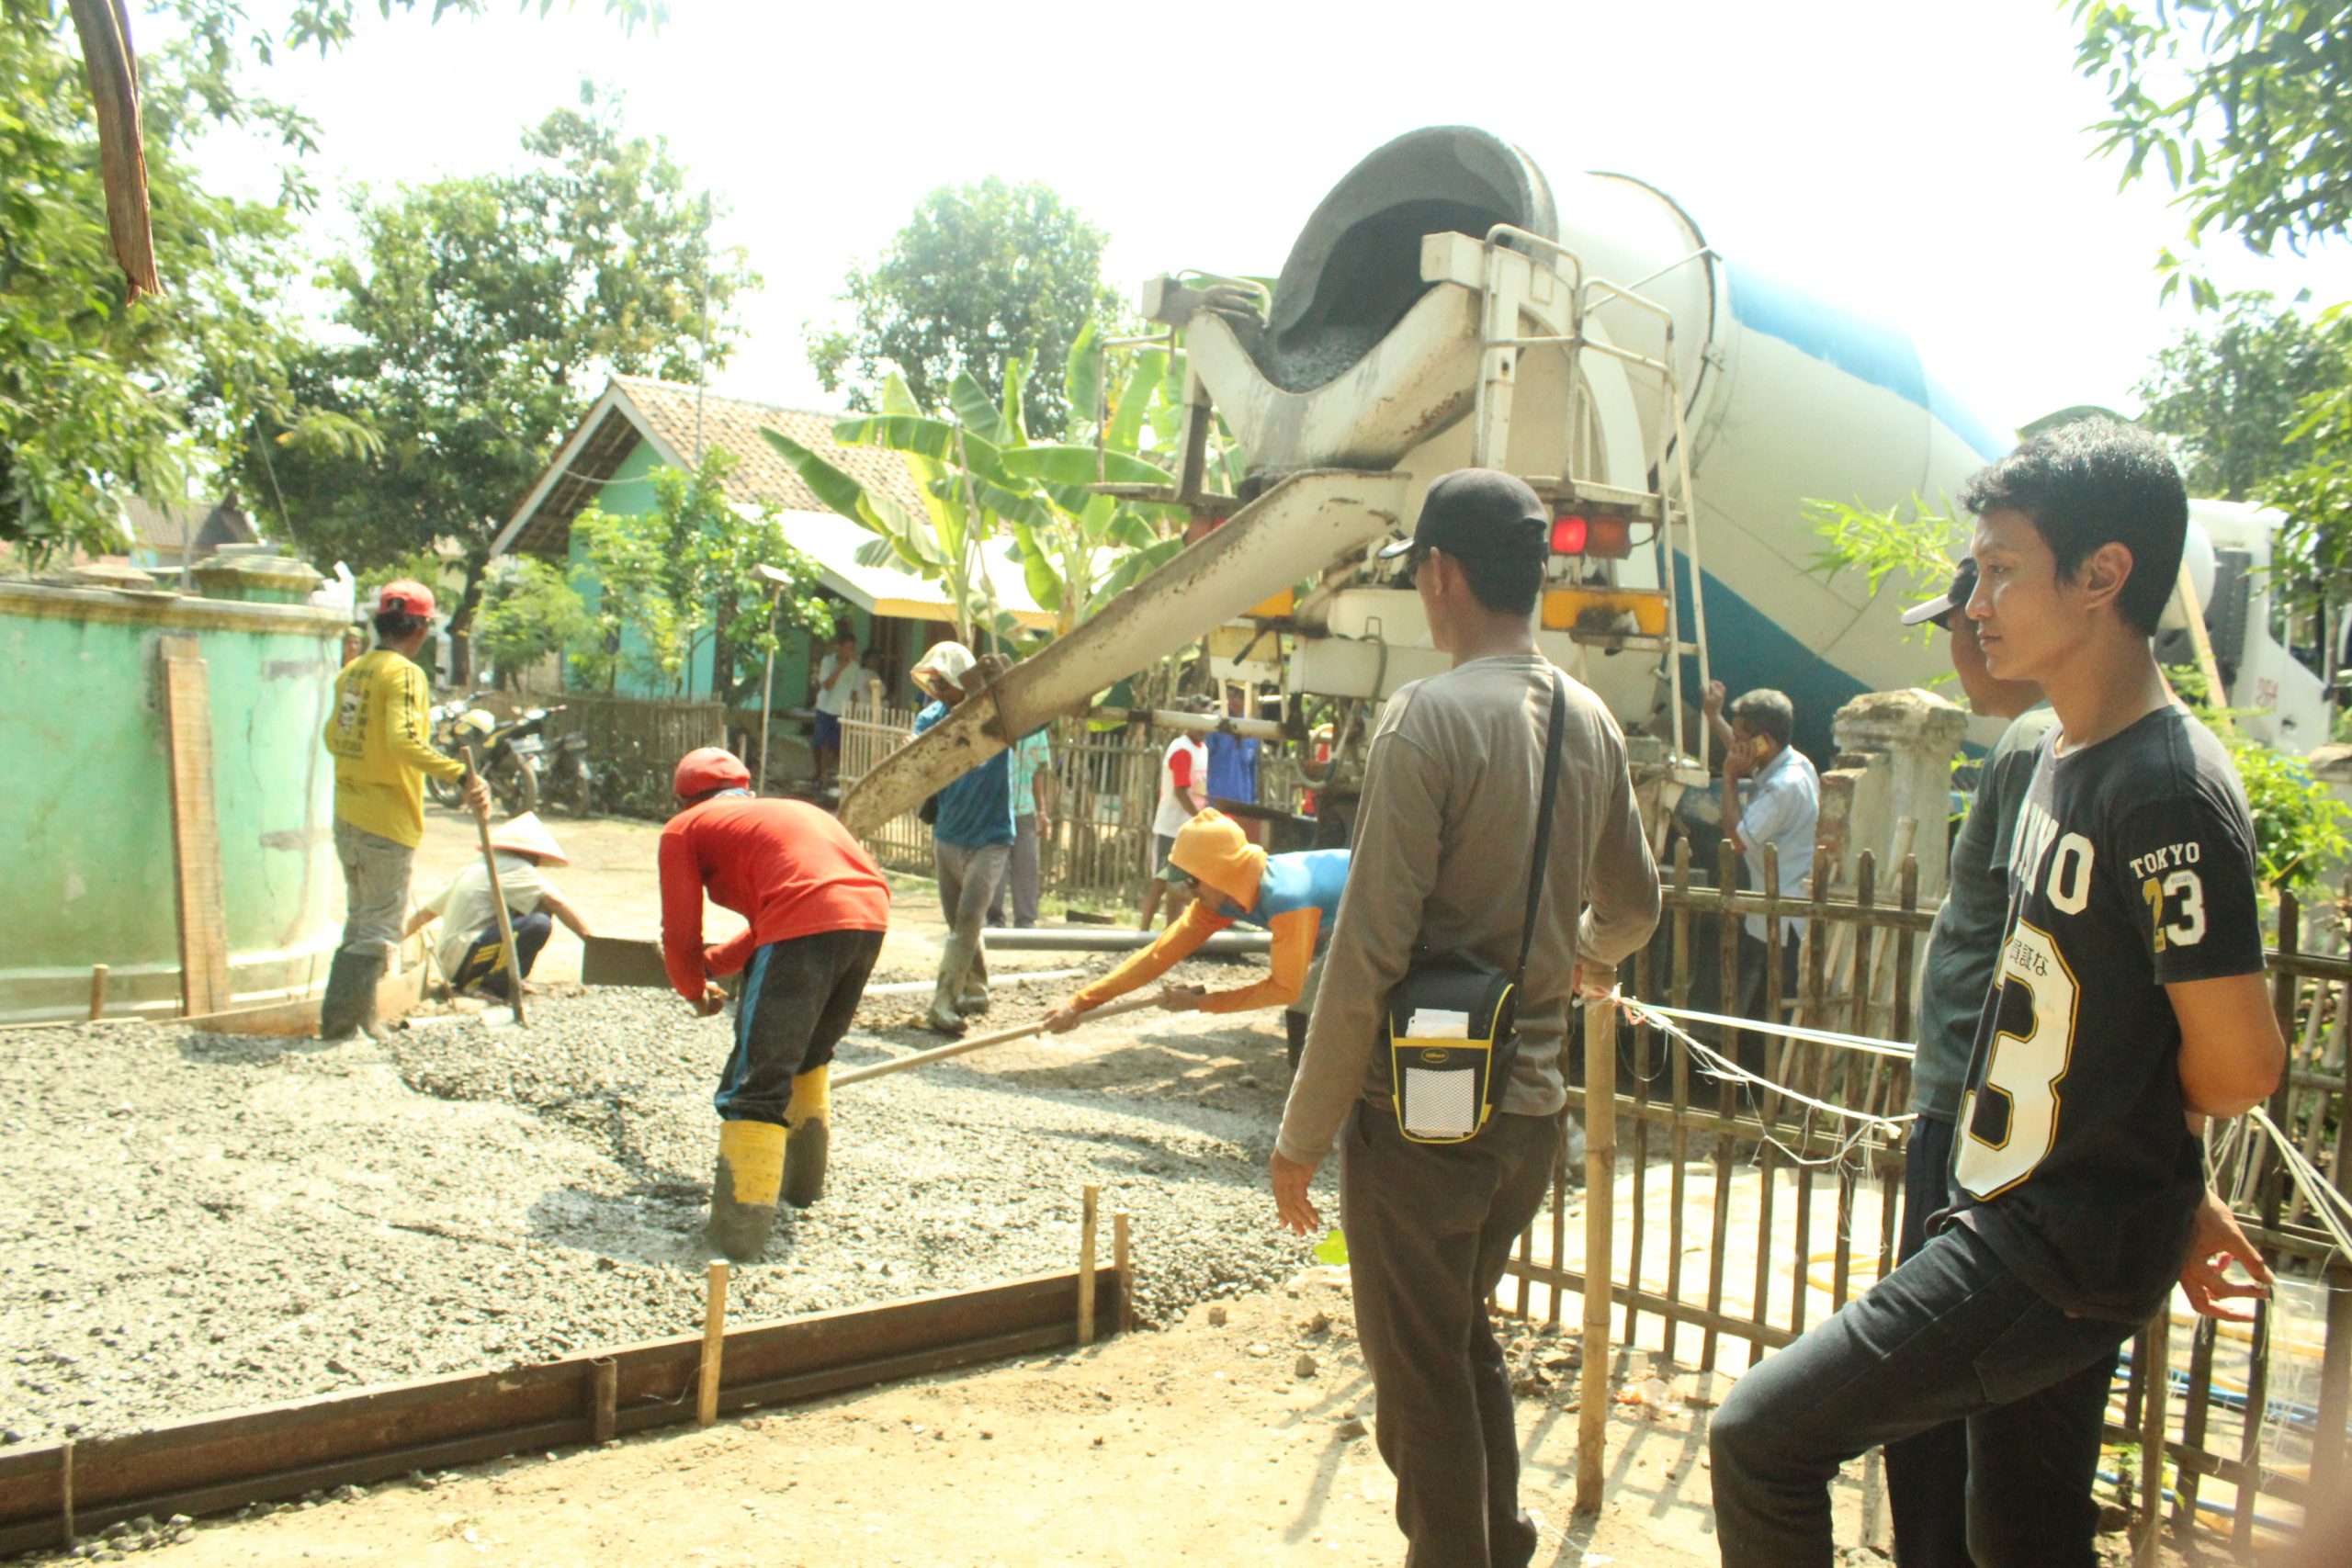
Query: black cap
x=1939, y=609
x=1478, y=512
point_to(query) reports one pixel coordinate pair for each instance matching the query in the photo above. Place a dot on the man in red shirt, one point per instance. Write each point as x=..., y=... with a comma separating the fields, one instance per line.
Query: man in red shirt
x=818, y=907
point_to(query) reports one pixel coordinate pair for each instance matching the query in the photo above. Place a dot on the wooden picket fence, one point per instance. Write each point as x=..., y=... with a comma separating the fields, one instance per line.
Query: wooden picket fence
x=1099, y=848
x=1752, y=1216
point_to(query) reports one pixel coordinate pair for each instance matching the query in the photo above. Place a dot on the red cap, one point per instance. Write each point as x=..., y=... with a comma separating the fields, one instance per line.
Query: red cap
x=402, y=597
x=707, y=768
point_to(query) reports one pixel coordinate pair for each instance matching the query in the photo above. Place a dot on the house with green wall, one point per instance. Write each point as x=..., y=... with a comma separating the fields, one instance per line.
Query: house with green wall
x=639, y=424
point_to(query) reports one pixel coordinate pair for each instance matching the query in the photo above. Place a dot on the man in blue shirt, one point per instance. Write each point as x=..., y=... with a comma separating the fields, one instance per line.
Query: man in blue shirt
x=1233, y=759
x=1781, y=806
x=971, y=846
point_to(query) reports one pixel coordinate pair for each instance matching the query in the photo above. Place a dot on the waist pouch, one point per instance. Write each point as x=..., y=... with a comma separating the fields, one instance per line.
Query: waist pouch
x=1453, y=1035
x=1452, y=1042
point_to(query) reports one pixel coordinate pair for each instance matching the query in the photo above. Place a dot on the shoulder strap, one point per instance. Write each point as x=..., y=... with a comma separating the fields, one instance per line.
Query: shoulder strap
x=1554, y=742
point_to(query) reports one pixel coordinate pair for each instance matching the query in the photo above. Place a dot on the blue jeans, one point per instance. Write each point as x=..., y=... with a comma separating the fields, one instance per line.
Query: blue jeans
x=1950, y=1336
x=1926, y=1476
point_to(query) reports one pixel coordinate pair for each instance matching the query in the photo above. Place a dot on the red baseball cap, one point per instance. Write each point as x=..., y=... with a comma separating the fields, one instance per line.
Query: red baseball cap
x=707, y=768
x=403, y=597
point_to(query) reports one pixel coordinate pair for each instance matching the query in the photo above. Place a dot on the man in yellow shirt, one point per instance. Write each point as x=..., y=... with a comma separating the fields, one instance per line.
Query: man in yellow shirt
x=378, y=735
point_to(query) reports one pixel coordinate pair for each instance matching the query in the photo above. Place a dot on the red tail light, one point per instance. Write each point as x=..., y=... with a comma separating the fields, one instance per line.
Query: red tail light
x=1605, y=534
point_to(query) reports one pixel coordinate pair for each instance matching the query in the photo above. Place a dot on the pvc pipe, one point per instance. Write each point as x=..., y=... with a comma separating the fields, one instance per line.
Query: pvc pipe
x=1038, y=939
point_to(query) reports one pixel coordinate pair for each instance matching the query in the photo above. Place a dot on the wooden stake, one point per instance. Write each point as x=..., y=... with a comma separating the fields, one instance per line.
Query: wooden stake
x=498, y=899
x=196, y=828
x=606, y=1383
x=2155, y=1385
x=714, y=1340
x=1599, y=1207
x=65, y=1487
x=1125, y=1263
x=1086, y=1265
x=98, y=992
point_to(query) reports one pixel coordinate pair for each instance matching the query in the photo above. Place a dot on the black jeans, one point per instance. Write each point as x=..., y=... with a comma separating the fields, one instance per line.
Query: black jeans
x=1950, y=1336
x=798, y=998
x=1927, y=1475
x=1429, y=1227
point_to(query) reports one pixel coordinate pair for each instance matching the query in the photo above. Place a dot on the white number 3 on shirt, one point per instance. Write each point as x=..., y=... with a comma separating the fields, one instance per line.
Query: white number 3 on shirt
x=2189, y=930
x=2024, y=1069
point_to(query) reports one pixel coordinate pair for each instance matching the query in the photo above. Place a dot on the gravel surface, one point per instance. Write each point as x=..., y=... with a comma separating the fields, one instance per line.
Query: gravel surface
x=214, y=1221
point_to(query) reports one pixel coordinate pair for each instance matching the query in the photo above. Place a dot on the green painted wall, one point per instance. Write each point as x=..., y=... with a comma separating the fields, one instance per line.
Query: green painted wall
x=86, y=795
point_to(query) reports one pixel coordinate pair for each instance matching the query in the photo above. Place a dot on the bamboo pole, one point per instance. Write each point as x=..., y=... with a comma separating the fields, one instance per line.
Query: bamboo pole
x=498, y=899
x=2154, y=1384
x=1599, y=1203
x=98, y=992
x=978, y=1042
x=1123, y=1261
x=714, y=1340
x=1086, y=1239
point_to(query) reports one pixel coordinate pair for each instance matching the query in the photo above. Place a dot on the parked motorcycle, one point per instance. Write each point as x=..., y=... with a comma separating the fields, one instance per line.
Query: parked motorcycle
x=509, y=755
x=571, y=782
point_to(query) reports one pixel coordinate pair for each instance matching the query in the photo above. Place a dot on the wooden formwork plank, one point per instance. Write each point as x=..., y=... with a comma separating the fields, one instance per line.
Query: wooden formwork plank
x=196, y=827
x=286, y=1450
x=622, y=960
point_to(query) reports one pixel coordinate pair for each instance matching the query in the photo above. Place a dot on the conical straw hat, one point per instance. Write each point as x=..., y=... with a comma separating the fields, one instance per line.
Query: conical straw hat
x=526, y=835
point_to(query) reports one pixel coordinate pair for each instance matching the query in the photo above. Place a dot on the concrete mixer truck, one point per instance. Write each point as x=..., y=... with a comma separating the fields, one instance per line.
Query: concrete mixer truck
x=1448, y=305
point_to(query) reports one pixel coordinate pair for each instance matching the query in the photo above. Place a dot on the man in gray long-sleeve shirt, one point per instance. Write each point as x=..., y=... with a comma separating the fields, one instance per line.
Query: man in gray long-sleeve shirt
x=1441, y=857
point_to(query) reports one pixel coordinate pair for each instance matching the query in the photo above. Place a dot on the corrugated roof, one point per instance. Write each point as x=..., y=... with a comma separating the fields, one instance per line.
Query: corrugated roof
x=832, y=541
x=637, y=407
x=175, y=525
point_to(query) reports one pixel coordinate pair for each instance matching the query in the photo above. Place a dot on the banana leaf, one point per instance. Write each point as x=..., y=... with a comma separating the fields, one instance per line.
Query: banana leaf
x=1082, y=371
x=1062, y=465
x=870, y=509
x=1016, y=400
x=1137, y=566
x=976, y=411
x=1126, y=430
x=919, y=437
x=1037, y=569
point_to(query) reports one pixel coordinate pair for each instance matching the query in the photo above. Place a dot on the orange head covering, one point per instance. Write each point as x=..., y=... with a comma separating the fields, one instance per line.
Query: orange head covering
x=1213, y=851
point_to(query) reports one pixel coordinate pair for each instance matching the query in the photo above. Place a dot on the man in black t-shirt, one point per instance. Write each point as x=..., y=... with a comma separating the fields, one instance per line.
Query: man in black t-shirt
x=2129, y=1006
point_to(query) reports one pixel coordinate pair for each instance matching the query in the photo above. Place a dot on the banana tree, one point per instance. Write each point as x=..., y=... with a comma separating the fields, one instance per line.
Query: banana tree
x=983, y=481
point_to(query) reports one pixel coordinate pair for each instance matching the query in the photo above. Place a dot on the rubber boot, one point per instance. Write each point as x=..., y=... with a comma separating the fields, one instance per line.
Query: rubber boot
x=809, y=1118
x=973, y=1001
x=1295, y=1029
x=743, y=1187
x=349, y=1004
x=946, y=1016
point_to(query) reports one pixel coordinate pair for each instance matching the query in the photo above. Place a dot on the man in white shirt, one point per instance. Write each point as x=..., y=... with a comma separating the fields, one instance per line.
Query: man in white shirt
x=1183, y=790
x=1771, y=795
x=470, y=952
x=838, y=680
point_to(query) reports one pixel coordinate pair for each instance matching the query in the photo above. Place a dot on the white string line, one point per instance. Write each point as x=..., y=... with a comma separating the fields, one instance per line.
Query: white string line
x=2332, y=1207
x=1715, y=1064
x=1792, y=1030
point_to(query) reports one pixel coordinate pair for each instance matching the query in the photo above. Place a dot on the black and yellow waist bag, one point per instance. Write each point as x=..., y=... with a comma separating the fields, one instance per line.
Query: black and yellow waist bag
x=1453, y=1019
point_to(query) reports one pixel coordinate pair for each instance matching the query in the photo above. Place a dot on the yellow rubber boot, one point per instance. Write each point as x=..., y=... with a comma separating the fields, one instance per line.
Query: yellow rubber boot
x=811, y=1117
x=743, y=1188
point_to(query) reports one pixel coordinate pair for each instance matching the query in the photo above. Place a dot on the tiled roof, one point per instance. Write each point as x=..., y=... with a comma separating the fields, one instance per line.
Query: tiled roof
x=174, y=525
x=666, y=410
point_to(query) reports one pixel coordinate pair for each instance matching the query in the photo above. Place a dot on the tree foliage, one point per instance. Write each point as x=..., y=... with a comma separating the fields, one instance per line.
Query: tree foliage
x=2231, y=393
x=2246, y=106
x=94, y=391
x=686, y=575
x=981, y=275
x=530, y=612
x=483, y=314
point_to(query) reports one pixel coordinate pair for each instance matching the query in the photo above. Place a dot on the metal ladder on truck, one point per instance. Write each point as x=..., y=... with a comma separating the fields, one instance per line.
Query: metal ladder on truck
x=1536, y=296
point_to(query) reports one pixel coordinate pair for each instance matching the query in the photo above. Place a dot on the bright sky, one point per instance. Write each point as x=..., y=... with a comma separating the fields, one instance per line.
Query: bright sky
x=1924, y=162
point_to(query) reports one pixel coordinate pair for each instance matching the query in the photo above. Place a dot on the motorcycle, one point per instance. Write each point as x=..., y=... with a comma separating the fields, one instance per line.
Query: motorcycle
x=571, y=782
x=509, y=754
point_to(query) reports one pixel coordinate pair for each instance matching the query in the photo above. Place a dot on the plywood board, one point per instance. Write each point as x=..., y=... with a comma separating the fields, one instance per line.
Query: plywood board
x=196, y=828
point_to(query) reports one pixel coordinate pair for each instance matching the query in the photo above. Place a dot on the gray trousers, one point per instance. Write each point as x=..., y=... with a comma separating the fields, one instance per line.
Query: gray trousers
x=375, y=886
x=968, y=880
x=1429, y=1227
x=1026, y=867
